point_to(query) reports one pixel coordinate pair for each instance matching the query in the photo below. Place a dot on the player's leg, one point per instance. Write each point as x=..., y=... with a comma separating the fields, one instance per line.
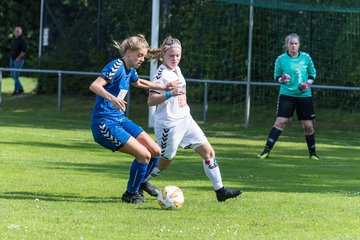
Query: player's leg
x=285, y=110
x=168, y=139
x=154, y=150
x=145, y=140
x=111, y=135
x=195, y=138
x=306, y=114
x=212, y=171
x=137, y=170
x=310, y=138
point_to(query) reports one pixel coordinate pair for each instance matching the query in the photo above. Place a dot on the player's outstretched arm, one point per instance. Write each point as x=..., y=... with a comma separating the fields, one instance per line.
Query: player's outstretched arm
x=145, y=84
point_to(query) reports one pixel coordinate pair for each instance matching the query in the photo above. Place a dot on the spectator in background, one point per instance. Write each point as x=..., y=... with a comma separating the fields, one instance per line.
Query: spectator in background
x=17, y=58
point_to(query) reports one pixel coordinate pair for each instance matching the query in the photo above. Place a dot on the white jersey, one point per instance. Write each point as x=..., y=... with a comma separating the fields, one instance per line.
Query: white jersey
x=175, y=108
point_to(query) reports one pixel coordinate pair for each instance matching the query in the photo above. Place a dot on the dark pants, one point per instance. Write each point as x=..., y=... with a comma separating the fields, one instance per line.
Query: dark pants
x=15, y=75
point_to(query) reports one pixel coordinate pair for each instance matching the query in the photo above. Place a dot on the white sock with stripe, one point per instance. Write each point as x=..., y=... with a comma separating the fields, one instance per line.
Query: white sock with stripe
x=212, y=171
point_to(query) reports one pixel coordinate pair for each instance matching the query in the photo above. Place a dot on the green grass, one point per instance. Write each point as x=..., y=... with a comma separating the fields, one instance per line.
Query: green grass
x=51, y=156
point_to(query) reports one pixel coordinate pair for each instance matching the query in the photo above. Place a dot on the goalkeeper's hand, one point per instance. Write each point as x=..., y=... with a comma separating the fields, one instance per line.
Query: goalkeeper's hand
x=304, y=86
x=284, y=78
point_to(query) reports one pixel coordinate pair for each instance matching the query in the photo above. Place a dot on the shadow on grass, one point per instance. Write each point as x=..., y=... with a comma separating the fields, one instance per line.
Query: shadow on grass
x=40, y=111
x=121, y=168
x=90, y=147
x=57, y=198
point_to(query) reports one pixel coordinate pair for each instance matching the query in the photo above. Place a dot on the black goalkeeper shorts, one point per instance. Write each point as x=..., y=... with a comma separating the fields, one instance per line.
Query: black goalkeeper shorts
x=304, y=107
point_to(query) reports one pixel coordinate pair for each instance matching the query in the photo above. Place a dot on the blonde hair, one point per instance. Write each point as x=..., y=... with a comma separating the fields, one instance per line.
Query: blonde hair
x=133, y=43
x=288, y=38
x=167, y=44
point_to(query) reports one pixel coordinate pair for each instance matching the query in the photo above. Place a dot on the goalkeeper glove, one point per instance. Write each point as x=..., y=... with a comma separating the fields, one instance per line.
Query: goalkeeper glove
x=305, y=85
x=284, y=78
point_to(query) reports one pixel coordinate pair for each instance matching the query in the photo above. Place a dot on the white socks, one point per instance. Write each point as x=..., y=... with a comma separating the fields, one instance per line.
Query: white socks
x=213, y=172
x=211, y=169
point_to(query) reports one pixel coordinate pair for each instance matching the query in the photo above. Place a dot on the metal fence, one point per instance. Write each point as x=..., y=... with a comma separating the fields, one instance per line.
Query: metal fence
x=60, y=73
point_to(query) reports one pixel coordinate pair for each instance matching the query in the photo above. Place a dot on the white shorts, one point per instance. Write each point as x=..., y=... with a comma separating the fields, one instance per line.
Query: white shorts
x=186, y=133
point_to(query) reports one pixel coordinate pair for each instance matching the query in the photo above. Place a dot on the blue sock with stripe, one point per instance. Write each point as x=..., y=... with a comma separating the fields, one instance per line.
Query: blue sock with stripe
x=137, y=173
x=152, y=164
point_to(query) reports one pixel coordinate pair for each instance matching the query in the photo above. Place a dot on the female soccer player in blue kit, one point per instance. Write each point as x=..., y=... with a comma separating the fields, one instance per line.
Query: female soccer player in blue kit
x=111, y=129
x=295, y=72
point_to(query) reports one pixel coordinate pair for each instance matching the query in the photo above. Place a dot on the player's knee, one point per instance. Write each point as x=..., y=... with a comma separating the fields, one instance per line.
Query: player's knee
x=210, y=154
x=155, y=151
x=308, y=130
x=280, y=125
x=145, y=157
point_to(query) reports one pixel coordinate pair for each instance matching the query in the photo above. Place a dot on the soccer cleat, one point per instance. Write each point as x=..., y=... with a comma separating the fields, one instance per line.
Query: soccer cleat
x=265, y=154
x=224, y=193
x=150, y=189
x=313, y=156
x=135, y=198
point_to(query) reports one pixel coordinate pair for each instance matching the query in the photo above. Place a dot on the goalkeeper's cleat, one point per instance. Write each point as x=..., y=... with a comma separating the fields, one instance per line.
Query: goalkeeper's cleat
x=135, y=198
x=150, y=189
x=314, y=156
x=265, y=154
x=224, y=193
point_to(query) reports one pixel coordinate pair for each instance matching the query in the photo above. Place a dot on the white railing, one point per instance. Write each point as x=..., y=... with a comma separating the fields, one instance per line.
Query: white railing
x=60, y=73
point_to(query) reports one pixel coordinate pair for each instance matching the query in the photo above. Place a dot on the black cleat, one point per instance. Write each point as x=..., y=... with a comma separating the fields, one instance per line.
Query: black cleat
x=224, y=193
x=150, y=189
x=135, y=198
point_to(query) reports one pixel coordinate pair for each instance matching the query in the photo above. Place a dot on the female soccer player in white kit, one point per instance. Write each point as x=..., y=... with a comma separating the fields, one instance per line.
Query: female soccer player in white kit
x=174, y=125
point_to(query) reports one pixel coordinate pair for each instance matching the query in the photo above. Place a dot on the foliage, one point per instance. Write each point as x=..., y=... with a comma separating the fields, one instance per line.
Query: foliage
x=214, y=35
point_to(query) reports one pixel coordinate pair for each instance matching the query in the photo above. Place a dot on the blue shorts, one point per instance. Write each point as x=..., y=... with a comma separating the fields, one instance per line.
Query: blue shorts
x=113, y=135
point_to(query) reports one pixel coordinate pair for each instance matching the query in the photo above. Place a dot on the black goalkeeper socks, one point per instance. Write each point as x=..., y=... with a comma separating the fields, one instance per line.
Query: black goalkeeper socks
x=273, y=137
x=310, y=140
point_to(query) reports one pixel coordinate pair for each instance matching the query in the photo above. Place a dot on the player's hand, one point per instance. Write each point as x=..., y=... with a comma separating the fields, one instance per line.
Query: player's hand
x=172, y=85
x=119, y=104
x=284, y=78
x=178, y=90
x=304, y=86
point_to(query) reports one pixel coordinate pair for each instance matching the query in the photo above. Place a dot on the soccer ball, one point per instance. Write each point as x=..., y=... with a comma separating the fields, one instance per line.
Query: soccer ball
x=170, y=197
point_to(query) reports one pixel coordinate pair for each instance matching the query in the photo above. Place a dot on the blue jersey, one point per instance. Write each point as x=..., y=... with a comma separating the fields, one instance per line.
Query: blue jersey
x=119, y=79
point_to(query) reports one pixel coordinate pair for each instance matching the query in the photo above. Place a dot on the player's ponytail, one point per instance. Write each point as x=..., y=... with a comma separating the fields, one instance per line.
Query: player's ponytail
x=133, y=43
x=168, y=43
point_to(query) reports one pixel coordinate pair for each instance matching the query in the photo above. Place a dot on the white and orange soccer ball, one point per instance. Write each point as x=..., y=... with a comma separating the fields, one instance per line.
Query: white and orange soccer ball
x=170, y=197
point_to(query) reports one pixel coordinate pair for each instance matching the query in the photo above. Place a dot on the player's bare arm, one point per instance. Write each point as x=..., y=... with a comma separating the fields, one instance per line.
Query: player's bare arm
x=145, y=84
x=157, y=98
x=97, y=87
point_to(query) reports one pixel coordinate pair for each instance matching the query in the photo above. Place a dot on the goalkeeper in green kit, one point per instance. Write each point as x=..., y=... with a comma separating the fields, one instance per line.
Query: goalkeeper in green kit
x=295, y=72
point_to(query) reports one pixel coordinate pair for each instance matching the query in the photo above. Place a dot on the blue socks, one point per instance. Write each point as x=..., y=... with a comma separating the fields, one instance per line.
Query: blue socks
x=137, y=174
x=152, y=164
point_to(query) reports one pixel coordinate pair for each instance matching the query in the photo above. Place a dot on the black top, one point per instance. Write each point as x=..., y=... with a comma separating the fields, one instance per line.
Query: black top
x=18, y=46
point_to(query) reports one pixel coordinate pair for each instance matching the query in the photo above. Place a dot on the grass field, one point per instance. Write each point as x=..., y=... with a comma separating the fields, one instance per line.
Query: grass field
x=56, y=183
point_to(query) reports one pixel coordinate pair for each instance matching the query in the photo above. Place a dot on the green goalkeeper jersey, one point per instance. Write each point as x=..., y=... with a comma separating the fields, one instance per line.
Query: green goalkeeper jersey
x=300, y=69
